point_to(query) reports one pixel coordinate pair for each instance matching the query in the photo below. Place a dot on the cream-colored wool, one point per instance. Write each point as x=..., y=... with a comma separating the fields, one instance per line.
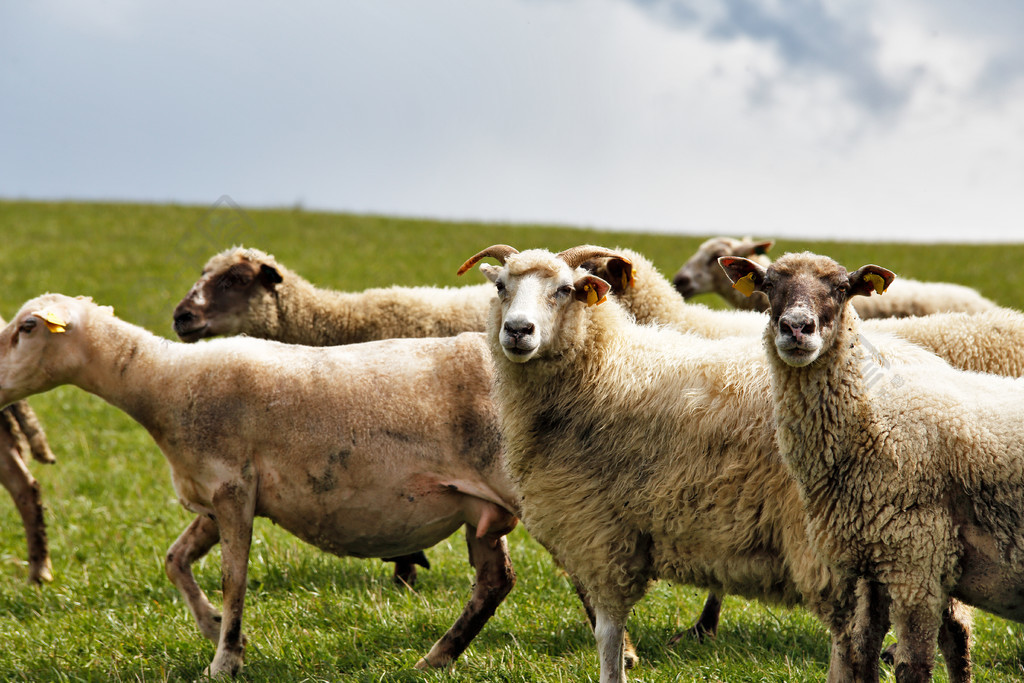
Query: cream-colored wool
x=246, y=291
x=988, y=341
x=369, y=450
x=915, y=482
x=640, y=453
x=905, y=298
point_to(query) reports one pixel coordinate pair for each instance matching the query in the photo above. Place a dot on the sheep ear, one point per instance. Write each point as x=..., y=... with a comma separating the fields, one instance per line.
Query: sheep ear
x=870, y=278
x=591, y=290
x=269, y=275
x=490, y=271
x=54, y=321
x=761, y=248
x=747, y=276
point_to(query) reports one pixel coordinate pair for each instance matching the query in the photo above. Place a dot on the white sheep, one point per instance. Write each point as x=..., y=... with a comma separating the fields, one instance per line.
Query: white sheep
x=701, y=274
x=642, y=453
x=21, y=436
x=911, y=472
x=373, y=449
x=246, y=291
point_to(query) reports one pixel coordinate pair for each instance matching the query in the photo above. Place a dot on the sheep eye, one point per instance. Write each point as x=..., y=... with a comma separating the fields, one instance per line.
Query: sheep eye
x=500, y=286
x=27, y=325
x=565, y=290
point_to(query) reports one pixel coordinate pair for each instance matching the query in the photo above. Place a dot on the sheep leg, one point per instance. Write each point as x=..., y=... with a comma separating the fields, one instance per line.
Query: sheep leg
x=629, y=655
x=609, y=633
x=494, y=579
x=30, y=427
x=24, y=490
x=917, y=629
x=405, y=568
x=234, y=505
x=955, y=641
x=201, y=535
x=858, y=619
x=706, y=624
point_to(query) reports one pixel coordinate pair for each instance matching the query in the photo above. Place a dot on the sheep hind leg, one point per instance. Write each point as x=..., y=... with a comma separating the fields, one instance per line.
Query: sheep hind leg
x=197, y=540
x=405, y=568
x=494, y=579
x=955, y=641
x=706, y=624
x=629, y=655
x=24, y=490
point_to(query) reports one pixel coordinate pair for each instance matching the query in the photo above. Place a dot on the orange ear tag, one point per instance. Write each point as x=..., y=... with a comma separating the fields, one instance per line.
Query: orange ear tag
x=54, y=322
x=877, y=281
x=745, y=285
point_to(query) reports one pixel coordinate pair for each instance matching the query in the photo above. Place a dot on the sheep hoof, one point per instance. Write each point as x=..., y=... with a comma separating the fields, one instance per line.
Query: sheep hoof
x=423, y=664
x=42, y=573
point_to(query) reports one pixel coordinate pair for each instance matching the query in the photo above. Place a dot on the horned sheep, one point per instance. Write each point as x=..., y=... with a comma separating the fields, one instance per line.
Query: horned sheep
x=701, y=274
x=915, y=485
x=379, y=448
x=642, y=453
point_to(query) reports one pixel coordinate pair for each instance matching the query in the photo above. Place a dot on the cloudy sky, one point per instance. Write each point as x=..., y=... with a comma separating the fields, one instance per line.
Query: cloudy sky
x=845, y=119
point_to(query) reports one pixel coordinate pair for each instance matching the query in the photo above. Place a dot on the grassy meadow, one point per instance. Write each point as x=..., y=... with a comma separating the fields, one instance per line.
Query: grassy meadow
x=112, y=615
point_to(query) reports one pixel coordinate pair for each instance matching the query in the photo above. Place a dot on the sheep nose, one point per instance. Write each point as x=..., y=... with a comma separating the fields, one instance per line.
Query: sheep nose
x=798, y=326
x=183, y=319
x=517, y=330
x=681, y=281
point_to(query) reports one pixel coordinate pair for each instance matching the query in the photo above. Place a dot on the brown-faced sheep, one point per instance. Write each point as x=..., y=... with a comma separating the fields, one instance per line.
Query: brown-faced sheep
x=642, y=453
x=701, y=274
x=373, y=449
x=911, y=472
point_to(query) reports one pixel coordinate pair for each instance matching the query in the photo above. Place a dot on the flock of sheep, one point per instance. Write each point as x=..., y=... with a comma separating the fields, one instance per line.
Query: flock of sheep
x=871, y=471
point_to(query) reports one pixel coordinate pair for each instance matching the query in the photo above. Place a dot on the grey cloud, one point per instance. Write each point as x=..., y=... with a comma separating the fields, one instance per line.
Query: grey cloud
x=807, y=38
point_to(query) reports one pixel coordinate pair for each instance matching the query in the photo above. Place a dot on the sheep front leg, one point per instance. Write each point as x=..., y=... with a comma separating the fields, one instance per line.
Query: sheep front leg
x=917, y=628
x=629, y=654
x=494, y=579
x=201, y=535
x=233, y=505
x=24, y=490
x=609, y=633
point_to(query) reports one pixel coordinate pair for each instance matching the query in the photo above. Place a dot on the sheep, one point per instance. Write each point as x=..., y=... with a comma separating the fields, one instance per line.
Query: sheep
x=21, y=436
x=701, y=274
x=246, y=291
x=640, y=452
x=989, y=341
x=365, y=450
x=911, y=472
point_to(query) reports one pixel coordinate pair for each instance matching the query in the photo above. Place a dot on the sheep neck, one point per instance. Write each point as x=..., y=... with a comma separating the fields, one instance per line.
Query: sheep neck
x=119, y=365
x=308, y=315
x=819, y=413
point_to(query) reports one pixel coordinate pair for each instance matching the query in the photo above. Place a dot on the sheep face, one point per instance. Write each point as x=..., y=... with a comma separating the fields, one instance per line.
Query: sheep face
x=534, y=301
x=701, y=273
x=807, y=294
x=36, y=353
x=220, y=301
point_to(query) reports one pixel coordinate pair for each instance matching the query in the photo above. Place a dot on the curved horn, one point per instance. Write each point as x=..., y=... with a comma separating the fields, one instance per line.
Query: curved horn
x=498, y=251
x=577, y=255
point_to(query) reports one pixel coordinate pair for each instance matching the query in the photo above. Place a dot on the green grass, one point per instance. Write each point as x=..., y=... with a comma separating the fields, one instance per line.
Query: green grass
x=111, y=614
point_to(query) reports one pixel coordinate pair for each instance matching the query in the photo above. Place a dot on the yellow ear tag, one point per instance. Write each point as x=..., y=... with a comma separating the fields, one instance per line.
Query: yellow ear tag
x=877, y=281
x=54, y=322
x=592, y=298
x=629, y=279
x=745, y=285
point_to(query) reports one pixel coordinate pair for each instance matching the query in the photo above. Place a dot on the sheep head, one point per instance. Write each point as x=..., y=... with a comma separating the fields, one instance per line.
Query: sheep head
x=38, y=347
x=807, y=296
x=535, y=290
x=220, y=300
x=701, y=273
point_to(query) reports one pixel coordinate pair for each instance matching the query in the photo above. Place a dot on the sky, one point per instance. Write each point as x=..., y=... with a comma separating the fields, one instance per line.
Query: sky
x=833, y=119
